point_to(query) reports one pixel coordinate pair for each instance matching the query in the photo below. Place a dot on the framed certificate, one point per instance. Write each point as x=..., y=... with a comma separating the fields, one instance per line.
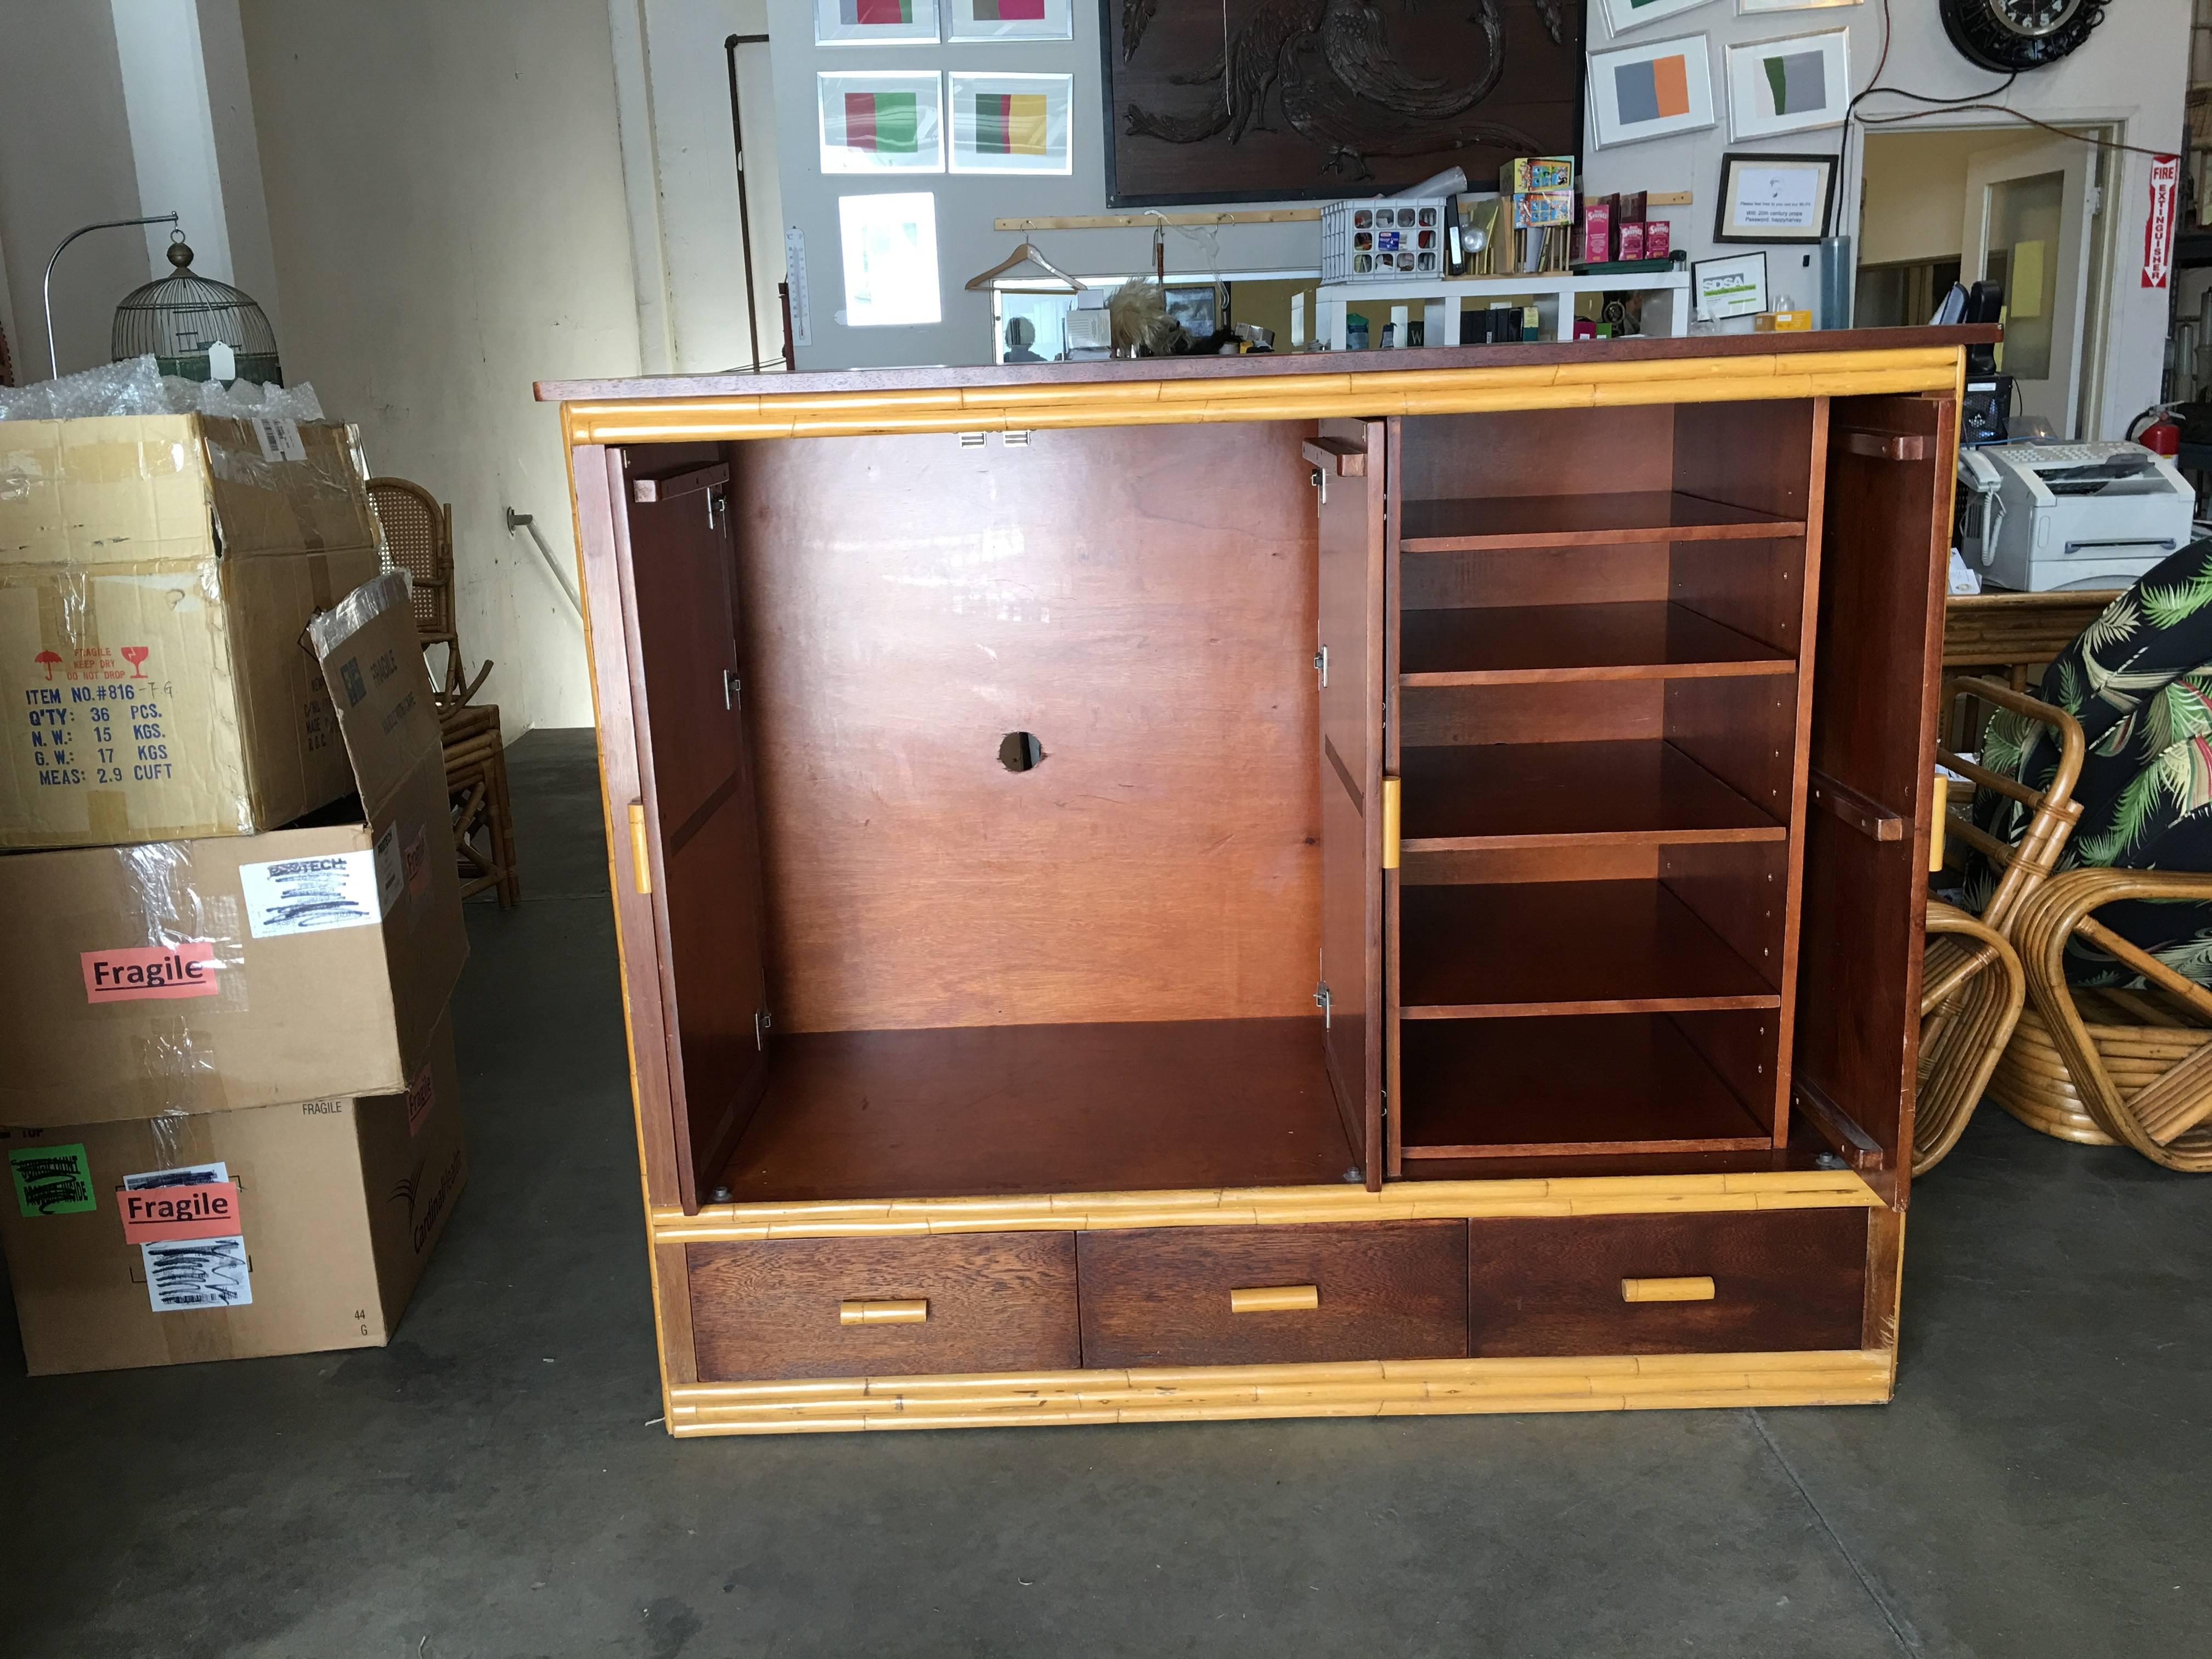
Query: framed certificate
x=1775, y=198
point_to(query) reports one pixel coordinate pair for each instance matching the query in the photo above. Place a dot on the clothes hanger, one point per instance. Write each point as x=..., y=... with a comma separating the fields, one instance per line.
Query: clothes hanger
x=1027, y=253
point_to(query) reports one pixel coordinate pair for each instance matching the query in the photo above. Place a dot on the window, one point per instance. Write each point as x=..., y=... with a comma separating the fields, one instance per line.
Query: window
x=889, y=246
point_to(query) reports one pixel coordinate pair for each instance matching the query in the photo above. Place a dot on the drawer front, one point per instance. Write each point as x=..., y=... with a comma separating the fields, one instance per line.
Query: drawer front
x=1667, y=1284
x=1257, y=1296
x=883, y=1307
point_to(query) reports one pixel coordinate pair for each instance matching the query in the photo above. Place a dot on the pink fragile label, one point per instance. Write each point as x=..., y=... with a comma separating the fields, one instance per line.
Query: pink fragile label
x=421, y=1095
x=137, y=973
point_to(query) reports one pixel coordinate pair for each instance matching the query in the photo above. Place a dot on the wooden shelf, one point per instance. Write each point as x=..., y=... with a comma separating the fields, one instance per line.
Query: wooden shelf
x=1571, y=947
x=1583, y=1084
x=975, y=1110
x=1499, y=521
x=1486, y=796
x=1525, y=644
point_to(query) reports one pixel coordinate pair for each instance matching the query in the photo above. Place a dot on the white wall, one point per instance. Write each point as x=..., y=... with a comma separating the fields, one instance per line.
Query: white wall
x=679, y=163
x=444, y=197
x=1912, y=196
x=2134, y=70
x=65, y=161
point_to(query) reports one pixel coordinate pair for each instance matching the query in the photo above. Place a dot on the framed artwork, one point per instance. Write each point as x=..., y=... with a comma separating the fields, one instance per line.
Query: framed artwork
x=1010, y=123
x=1775, y=198
x=1009, y=20
x=1624, y=14
x=1295, y=109
x=1750, y=7
x=1734, y=286
x=880, y=122
x=1792, y=85
x=1651, y=90
x=875, y=22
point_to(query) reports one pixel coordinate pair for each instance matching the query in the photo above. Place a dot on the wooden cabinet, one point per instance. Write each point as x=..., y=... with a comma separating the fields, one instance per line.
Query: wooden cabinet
x=1427, y=838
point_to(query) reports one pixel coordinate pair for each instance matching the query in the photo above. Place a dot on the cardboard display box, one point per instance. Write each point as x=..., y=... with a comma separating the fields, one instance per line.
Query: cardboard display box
x=239, y=972
x=285, y=1229
x=157, y=572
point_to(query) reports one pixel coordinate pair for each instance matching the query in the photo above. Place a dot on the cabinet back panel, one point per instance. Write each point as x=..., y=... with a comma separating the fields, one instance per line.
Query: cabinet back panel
x=1576, y=711
x=909, y=603
x=1546, y=452
x=1758, y=588
x=1610, y=573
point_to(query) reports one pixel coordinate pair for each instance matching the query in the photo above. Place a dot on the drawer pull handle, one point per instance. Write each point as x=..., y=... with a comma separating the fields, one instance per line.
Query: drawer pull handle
x=641, y=853
x=1274, y=1298
x=1666, y=1289
x=883, y=1313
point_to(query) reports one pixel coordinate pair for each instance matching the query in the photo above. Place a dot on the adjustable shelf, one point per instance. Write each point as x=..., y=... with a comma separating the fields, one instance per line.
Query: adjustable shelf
x=1488, y=797
x=1494, y=950
x=1635, y=515
x=1586, y=1085
x=1535, y=644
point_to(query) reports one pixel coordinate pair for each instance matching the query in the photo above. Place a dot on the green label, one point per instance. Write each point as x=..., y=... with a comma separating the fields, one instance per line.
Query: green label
x=53, y=1180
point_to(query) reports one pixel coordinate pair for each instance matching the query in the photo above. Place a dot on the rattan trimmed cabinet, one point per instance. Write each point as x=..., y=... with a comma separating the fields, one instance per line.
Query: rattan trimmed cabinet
x=1273, y=887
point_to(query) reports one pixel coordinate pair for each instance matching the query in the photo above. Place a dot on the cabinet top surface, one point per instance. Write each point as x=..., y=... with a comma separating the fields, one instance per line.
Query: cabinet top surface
x=1484, y=359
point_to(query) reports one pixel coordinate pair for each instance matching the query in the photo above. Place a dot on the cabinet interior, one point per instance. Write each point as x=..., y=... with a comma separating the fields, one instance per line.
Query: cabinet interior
x=1016, y=879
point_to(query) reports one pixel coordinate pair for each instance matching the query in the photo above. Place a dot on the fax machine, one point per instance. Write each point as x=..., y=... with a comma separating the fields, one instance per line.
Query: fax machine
x=2038, y=517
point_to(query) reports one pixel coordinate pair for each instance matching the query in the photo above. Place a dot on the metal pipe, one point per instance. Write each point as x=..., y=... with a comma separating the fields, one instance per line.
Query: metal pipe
x=745, y=206
x=525, y=521
x=46, y=283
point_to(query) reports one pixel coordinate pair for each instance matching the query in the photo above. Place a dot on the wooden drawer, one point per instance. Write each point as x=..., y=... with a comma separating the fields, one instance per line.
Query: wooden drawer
x=1794, y=1278
x=846, y=1307
x=1170, y=1296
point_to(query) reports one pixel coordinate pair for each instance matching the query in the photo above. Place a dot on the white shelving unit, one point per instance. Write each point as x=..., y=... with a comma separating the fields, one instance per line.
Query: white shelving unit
x=1442, y=298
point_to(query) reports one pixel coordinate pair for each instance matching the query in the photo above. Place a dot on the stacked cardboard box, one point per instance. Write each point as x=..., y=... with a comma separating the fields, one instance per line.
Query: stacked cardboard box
x=228, y=1104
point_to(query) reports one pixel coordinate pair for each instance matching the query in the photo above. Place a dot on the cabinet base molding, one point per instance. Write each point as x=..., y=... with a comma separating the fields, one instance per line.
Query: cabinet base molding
x=1411, y=1387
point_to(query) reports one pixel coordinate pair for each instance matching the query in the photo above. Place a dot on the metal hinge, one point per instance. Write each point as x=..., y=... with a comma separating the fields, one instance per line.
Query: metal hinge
x=733, y=689
x=971, y=440
x=1320, y=664
x=1320, y=1001
x=713, y=505
x=762, y=1020
x=1015, y=439
x=1319, y=480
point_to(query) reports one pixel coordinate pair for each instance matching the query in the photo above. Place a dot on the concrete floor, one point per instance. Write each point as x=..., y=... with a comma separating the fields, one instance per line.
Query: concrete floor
x=496, y=1482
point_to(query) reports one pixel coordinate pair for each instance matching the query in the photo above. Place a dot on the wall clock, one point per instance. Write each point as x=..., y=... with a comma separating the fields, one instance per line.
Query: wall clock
x=2008, y=36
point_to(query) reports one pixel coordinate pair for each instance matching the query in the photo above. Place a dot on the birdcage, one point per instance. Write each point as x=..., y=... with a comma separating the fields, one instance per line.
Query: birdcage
x=176, y=320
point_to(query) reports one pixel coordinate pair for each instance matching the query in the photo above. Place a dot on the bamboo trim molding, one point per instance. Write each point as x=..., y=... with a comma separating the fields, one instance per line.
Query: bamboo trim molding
x=1038, y=407
x=1386, y=1387
x=1250, y=1207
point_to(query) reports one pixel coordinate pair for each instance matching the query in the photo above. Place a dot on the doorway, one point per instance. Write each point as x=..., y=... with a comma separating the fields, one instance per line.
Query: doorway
x=1973, y=203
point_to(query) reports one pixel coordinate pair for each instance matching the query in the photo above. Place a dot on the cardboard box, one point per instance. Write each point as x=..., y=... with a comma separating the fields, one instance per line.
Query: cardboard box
x=286, y=1229
x=1658, y=238
x=236, y=972
x=156, y=573
x=1524, y=173
x=1538, y=208
x=1597, y=232
x=1632, y=239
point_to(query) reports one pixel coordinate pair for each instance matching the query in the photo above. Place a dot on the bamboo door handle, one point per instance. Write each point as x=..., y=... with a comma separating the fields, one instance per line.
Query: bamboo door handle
x=1666, y=1289
x=641, y=864
x=883, y=1313
x=1940, y=821
x=1274, y=1298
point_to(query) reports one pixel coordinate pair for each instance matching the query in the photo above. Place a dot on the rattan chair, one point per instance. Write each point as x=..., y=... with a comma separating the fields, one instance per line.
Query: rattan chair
x=482, y=820
x=418, y=538
x=1972, y=982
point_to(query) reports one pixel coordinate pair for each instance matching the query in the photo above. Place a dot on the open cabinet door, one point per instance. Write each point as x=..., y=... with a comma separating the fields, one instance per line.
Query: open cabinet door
x=1348, y=478
x=1871, y=791
x=695, y=824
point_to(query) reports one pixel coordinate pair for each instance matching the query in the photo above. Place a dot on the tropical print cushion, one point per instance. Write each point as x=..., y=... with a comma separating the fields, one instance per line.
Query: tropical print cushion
x=2139, y=679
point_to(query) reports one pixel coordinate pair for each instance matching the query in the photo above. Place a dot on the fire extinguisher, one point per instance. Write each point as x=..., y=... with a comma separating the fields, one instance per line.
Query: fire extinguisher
x=2162, y=435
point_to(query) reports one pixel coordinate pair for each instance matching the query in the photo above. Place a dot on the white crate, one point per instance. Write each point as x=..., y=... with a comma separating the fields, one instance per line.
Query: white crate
x=1382, y=239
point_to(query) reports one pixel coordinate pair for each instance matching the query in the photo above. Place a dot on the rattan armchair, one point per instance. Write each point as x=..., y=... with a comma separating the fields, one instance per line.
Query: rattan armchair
x=418, y=537
x=1972, y=981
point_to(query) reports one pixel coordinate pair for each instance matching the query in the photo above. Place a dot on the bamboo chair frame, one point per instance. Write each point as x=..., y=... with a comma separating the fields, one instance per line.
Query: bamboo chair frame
x=1973, y=985
x=2141, y=1073
x=418, y=537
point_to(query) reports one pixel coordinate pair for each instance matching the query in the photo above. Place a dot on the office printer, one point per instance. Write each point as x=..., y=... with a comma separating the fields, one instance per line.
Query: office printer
x=2040, y=517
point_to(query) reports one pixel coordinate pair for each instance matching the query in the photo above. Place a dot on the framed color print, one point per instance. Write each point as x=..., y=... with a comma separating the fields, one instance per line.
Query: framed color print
x=1792, y=85
x=1624, y=14
x=1650, y=90
x=1009, y=20
x=1010, y=123
x=1775, y=198
x=875, y=22
x=880, y=123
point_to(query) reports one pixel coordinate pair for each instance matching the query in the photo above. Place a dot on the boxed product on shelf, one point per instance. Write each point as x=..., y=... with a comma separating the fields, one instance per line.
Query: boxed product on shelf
x=1543, y=207
x=1379, y=238
x=1597, y=230
x=286, y=1229
x=155, y=572
x=235, y=971
x=1525, y=173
